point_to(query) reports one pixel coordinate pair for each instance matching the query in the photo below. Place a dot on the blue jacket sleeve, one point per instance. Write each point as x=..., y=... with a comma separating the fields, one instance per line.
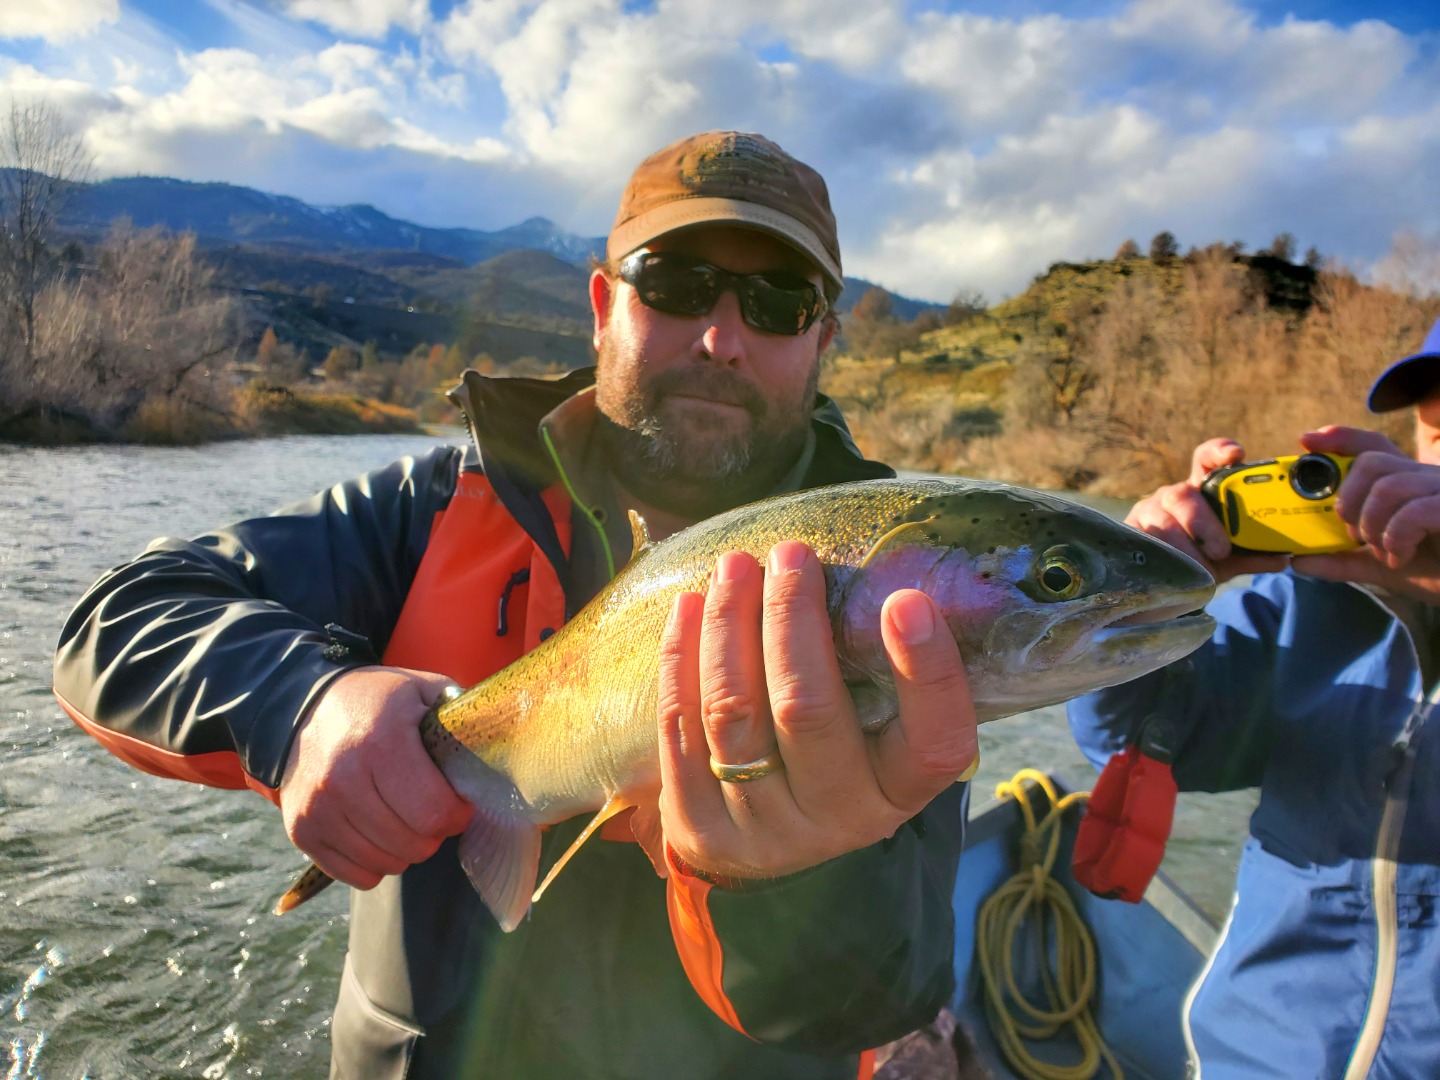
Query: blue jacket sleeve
x=1217, y=703
x=217, y=646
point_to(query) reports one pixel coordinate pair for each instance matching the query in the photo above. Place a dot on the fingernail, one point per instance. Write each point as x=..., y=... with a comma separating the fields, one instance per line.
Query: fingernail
x=731, y=566
x=970, y=770
x=913, y=617
x=679, y=610
x=786, y=558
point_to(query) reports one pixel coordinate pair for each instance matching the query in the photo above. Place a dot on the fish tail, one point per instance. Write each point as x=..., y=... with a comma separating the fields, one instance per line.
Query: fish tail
x=311, y=881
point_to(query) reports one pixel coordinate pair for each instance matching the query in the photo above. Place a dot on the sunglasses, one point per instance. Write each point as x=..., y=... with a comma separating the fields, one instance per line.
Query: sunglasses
x=776, y=302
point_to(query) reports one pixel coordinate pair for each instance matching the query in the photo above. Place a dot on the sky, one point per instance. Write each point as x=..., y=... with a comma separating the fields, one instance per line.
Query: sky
x=967, y=146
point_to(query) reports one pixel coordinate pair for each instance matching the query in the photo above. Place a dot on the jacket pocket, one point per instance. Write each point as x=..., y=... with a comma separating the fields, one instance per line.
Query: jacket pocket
x=366, y=1041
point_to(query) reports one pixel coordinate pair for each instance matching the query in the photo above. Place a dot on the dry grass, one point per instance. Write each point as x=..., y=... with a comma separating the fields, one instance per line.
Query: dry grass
x=272, y=410
x=176, y=422
x=1103, y=377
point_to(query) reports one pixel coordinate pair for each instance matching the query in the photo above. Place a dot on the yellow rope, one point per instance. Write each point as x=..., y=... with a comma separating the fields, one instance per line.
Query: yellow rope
x=1033, y=901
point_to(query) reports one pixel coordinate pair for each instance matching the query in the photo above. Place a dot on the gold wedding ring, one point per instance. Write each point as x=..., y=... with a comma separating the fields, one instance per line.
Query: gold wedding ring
x=749, y=770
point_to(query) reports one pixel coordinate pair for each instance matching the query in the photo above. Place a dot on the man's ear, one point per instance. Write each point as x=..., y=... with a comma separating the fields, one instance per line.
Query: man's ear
x=602, y=295
x=828, y=326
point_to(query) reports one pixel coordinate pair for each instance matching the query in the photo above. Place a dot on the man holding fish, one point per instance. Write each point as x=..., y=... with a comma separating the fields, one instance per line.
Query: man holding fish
x=783, y=738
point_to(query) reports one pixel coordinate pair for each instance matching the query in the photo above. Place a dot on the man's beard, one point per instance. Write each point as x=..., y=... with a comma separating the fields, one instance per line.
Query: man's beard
x=698, y=470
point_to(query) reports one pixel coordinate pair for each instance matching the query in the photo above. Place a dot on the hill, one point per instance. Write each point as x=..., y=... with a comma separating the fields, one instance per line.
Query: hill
x=1067, y=293
x=518, y=288
x=1102, y=376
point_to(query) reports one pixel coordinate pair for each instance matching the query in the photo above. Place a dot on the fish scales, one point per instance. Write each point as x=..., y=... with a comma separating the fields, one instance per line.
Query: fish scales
x=593, y=695
x=1046, y=599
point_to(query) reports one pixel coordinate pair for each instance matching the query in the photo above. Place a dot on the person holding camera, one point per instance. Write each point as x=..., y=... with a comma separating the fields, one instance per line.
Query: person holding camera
x=1318, y=687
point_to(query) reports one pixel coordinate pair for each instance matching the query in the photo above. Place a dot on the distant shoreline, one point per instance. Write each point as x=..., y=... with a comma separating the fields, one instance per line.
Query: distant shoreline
x=266, y=413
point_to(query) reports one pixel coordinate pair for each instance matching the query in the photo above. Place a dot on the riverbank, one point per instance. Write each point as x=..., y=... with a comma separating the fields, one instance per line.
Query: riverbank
x=259, y=411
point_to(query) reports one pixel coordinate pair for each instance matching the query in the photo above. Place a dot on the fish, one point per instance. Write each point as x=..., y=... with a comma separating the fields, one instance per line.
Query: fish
x=1046, y=598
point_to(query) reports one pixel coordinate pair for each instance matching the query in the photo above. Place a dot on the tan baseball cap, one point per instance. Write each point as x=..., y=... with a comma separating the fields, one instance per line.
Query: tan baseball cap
x=728, y=176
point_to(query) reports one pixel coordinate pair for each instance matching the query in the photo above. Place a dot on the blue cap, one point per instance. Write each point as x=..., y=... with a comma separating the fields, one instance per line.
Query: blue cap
x=1407, y=381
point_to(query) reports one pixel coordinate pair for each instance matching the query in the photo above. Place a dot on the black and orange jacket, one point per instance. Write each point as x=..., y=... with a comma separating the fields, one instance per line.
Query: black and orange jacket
x=197, y=660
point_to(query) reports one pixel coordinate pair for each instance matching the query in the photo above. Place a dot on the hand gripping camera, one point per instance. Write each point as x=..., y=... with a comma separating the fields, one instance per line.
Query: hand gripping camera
x=1284, y=505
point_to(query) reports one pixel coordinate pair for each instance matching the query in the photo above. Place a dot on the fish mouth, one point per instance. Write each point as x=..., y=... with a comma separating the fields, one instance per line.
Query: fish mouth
x=1128, y=631
x=1095, y=647
x=1160, y=613
x=1168, y=627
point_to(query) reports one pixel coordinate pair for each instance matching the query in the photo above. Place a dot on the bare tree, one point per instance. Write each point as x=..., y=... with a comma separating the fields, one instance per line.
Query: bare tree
x=1282, y=247
x=1412, y=265
x=145, y=327
x=1071, y=381
x=1163, y=246
x=873, y=332
x=1050, y=382
x=42, y=159
x=967, y=305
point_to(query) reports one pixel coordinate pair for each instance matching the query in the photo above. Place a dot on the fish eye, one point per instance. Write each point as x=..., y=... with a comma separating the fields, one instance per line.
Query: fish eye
x=1059, y=576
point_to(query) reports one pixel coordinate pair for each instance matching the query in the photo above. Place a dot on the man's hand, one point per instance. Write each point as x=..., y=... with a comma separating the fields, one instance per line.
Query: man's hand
x=360, y=795
x=750, y=670
x=1391, y=504
x=1181, y=516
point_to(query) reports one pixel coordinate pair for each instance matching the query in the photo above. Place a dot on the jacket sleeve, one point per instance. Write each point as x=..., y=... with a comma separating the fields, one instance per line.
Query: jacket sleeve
x=841, y=958
x=198, y=658
x=1217, y=704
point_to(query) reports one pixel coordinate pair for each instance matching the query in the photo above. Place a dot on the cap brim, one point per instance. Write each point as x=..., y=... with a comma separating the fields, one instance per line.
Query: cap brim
x=685, y=213
x=1405, y=382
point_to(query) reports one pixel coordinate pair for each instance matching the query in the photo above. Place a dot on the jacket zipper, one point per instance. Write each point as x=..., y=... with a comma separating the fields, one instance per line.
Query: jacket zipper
x=1385, y=872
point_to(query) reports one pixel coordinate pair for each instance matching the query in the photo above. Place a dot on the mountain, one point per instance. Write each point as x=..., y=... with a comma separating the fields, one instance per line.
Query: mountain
x=221, y=214
x=358, y=267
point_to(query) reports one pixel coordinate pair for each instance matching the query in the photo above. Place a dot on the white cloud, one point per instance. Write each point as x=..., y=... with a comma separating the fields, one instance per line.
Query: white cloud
x=858, y=36
x=590, y=90
x=992, y=72
x=472, y=31
x=961, y=150
x=56, y=21
x=1197, y=27
x=349, y=66
x=363, y=18
x=76, y=100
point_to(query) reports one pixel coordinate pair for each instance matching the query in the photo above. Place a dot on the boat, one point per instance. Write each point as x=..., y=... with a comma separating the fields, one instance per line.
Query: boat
x=1147, y=955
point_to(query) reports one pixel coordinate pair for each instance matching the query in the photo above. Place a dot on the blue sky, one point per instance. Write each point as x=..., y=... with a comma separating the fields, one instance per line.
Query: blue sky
x=967, y=145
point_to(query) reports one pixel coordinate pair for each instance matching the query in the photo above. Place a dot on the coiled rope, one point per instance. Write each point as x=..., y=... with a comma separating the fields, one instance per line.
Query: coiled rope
x=1034, y=903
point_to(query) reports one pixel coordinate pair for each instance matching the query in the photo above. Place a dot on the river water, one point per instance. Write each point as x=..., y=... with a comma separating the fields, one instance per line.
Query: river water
x=135, y=934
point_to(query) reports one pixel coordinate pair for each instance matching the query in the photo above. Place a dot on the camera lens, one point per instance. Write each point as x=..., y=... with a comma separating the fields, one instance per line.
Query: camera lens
x=1314, y=476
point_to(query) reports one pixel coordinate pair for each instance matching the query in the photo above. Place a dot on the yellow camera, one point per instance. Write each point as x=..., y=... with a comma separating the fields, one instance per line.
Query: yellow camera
x=1284, y=505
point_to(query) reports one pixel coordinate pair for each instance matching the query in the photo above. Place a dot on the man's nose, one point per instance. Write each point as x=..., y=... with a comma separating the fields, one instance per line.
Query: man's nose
x=723, y=338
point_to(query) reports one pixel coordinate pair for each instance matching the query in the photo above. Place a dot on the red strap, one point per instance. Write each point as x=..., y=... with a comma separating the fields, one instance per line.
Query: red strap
x=1122, y=837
